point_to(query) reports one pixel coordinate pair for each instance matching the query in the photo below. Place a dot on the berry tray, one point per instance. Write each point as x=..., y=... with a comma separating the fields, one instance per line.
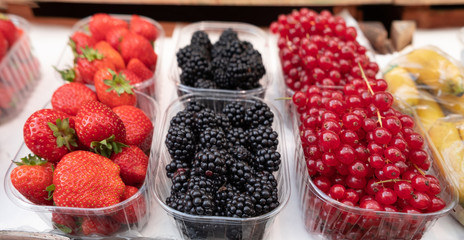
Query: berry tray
x=218, y=227
x=331, y=219
x=19, y=72
x=148, y=86
x=128, y=228
x=246, y=32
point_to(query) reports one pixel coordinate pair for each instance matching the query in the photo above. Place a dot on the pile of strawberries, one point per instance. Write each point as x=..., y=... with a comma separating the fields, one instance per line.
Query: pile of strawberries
x=88, y=151
x=112, y=43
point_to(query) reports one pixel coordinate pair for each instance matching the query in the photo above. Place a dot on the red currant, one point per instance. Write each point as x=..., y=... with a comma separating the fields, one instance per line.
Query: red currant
x=386, y=196
x=403, y=189
x=345, y=154
x=323, y=183
x=337, y=192
x=329, y=140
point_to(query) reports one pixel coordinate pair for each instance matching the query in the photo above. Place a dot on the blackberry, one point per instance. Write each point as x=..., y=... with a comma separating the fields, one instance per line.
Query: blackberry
x=209, y=163
x=262, y=137
x=237, y=136
x=230, y=202
x=200, y=38
x=207, y=118
x=241, y=153
x=239, y=173
x=180, y=180
x=205, y=83
x=202, y=182
x=212, y=137
x=194, y=201
x=180, y=142
x=174, y=165
x=195, y=64
x=262, y=188
x=194, y=106
x=176, y=201
x=183, y=118
x=258, y=114
x=235, y=112
x=267, y=159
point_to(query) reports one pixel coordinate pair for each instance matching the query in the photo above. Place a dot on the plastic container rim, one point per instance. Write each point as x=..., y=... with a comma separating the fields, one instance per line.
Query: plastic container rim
x=283, y=167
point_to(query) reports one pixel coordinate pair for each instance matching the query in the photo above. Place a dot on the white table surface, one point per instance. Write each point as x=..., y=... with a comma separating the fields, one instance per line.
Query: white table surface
x=49, y=41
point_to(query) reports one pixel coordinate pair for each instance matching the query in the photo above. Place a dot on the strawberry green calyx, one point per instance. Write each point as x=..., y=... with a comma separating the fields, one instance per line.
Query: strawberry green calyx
x=107, y=147
x=91, y=54
x=65, y=135
x=67, y=74
x=119, y=84
x=72, y=44
x=31, y=160
x=50, y=190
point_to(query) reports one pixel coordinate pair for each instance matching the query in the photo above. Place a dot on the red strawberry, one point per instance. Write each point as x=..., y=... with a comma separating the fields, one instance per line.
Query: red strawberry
x=143, y=27
x=101, y=23
x=32, y=177
x=134, y=210
x=70, y=75
x=90, y=62
x=69, y=97
x=79, y=41
x=110, y=53
x=86, y=180
x=133, y=164
x=136, y=66
x=130, y=76
x=8, y=29
x=49, y=134
x=98, y=127
x=139, y=128
x=115, y=35
x=136, y=46
x=3, y=46
x=113, y=89
x=99, y=225
x=65, y=223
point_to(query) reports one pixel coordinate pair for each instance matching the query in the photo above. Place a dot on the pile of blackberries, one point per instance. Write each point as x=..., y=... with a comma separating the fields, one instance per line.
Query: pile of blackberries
x=227, y=64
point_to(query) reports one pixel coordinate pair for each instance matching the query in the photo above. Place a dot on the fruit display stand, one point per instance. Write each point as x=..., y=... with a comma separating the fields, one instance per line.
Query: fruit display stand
x=48, y=41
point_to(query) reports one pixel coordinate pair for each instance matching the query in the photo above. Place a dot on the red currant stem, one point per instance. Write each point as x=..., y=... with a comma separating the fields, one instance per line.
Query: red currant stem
x=307, y=35
x=392, y=180
x=380, y=118
x=283, y=98
x=365, y=79
x=288, y=43
x=418, y=169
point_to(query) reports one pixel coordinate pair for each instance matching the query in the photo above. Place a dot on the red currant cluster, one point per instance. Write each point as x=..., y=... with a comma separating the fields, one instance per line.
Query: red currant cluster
x=362, y=152
x=319, y=49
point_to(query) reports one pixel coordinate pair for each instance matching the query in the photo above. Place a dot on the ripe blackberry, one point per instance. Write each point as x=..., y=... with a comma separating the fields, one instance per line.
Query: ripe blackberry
x=194, y=201
x=235, y=112
x=227, y=36
x=180, y=180
x=180, y=142
x=239, y=173
x=207, y=118
x=258, y=114
x=202, y=182
x=231, y=202
x=176, y=201
x=201, y=38
x=241, y=153
x=212, y=137
x=262, y=137
x=237, y=136
x=209, y=163
x=262, y=188
x=183, y=118
x=267, y=159
x=174, y=165
x=194, y=107
x=195, y=64
x=205, y=83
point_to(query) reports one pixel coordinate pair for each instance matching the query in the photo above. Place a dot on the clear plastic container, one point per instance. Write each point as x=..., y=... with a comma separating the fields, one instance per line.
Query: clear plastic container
x=147, y=86
x=19, y=72
x=212, y=227
x=331, y=219
x=246, y=32
x=144, y=195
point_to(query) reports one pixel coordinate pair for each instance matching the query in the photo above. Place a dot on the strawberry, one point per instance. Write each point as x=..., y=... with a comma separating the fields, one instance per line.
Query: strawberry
x=99, y=225
x=90, y=62
x=68, y=98
x=79, y=41
x=130, y=76
x=133, y=164
x=3, y=46
x=8, y=29
x=110, y=53
x=115, y=35
x=143, y=27
x=87, y=180
x=136, y=66
x=113, y=89
x=139, y=128
x=136, y=46
x=65, y=223
x=49, y=134
x=70, y=75
x=32, y=177
x=99, y=128
x=101, y=23
x=134, y=210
